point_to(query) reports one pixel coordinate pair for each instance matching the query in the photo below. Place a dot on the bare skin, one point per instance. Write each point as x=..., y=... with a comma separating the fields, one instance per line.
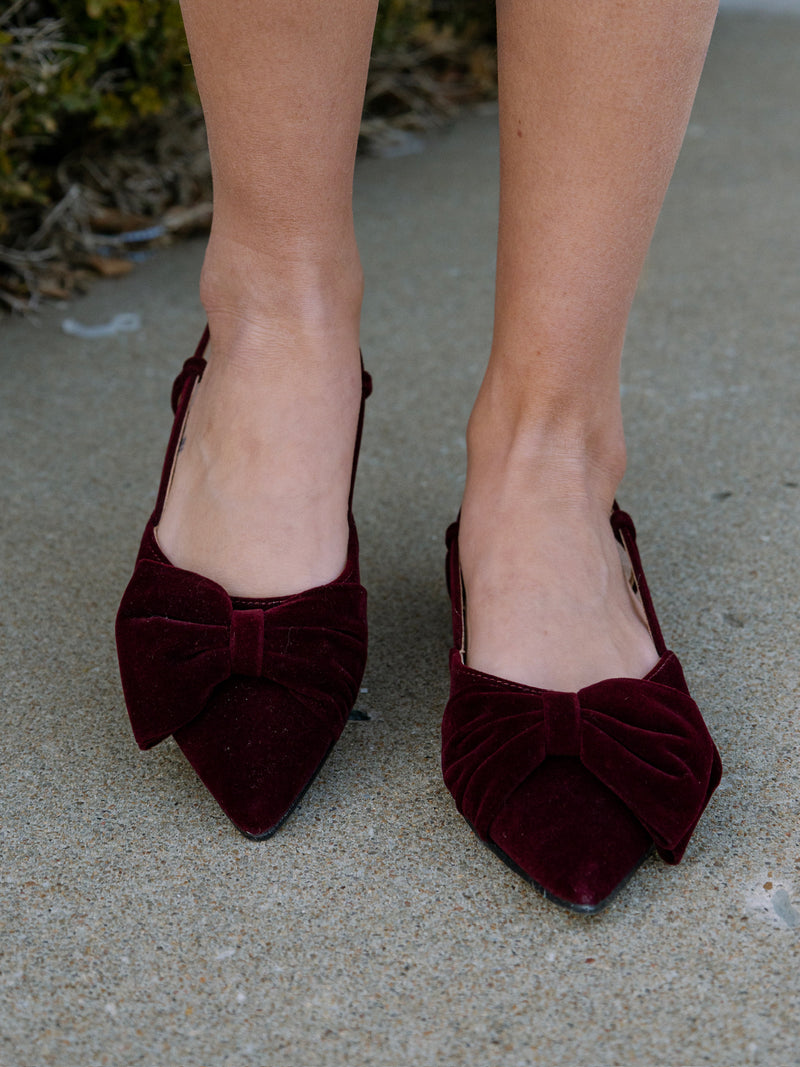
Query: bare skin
x=595, y=98
x=258, y=500
x=594, y=102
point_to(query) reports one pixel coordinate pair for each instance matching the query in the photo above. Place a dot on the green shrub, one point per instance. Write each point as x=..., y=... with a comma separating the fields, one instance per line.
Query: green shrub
x=71, y=69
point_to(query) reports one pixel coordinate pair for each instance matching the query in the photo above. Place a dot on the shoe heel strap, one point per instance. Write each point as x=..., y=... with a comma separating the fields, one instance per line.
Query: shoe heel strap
x=366, y=390
x=192, y=368
x=625, y=532
x=182, y=387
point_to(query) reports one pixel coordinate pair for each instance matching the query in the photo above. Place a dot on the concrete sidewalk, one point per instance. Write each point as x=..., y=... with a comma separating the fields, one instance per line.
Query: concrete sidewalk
x=137, y=927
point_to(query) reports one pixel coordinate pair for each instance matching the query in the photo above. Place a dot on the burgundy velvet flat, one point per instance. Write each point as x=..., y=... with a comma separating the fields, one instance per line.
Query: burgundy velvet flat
x=573, y=790
x=255, y=691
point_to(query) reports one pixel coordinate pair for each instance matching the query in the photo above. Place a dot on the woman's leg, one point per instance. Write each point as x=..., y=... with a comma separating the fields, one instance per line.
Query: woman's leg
x=594, y=101
x=259, y=497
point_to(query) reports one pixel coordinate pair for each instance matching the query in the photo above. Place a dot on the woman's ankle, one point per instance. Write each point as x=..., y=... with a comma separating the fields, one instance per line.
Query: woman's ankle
x=545, y=449
x=547, y=601
x=266, y=309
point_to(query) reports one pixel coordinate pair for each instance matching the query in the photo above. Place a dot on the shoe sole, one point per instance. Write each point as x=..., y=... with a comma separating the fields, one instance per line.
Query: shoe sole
x=568, y=905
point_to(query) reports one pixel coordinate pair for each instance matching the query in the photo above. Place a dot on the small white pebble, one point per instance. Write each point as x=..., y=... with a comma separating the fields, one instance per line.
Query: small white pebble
x=112, y=1010
x=226, y=953
x=240, y=998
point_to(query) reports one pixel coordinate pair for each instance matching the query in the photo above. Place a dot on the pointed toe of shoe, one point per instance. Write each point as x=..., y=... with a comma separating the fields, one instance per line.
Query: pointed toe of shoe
x=566, y=833
x=256, y=748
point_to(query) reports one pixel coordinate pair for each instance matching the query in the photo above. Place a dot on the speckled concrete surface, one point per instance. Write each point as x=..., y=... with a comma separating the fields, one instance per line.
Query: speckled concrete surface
x=138, y=927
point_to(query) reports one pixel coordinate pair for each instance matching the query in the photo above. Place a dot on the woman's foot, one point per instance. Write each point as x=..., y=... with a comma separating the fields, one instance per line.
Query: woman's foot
x=259, y=495
x=251, y=693
x=547, y=600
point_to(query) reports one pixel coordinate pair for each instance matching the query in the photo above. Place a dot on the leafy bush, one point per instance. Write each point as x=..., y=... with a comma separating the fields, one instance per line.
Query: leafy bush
x=73, y=68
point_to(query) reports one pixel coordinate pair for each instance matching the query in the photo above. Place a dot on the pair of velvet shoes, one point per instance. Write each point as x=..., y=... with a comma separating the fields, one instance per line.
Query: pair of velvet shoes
x=572, y=790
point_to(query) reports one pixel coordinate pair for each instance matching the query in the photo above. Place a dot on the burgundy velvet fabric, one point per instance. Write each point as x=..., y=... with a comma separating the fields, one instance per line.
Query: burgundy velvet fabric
x=184, y=636
x=255, y=691
x=574, y=788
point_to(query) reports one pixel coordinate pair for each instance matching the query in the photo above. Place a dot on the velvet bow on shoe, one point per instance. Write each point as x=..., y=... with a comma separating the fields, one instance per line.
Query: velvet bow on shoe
x=572, y=790
x=255, y=691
